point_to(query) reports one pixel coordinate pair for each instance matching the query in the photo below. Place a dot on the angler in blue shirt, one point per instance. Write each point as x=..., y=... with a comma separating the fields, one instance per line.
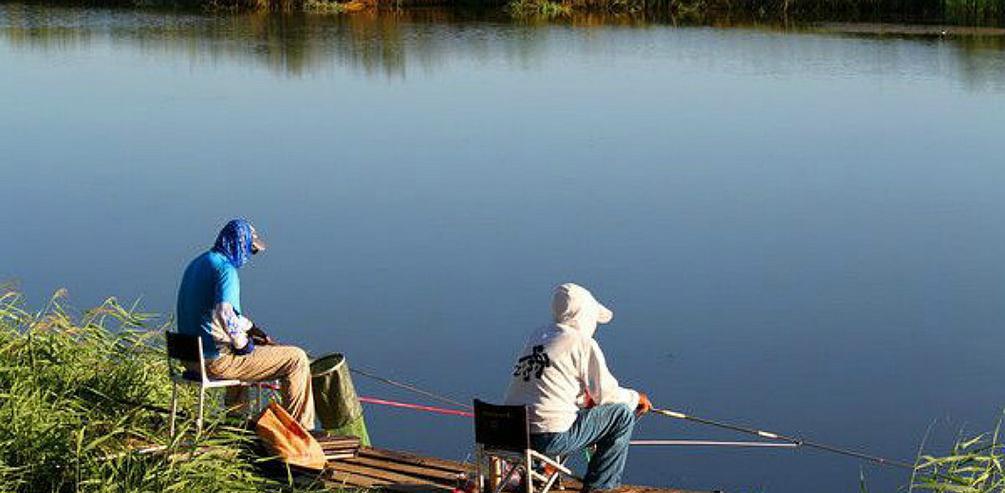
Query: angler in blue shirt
x=209, y=306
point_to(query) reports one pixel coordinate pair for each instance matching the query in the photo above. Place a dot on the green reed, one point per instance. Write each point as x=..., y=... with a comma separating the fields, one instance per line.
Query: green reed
x=77, y=394
x=975, y=465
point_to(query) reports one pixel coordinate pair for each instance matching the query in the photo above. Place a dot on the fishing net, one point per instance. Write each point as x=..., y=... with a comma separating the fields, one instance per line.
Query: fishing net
x=335, y=401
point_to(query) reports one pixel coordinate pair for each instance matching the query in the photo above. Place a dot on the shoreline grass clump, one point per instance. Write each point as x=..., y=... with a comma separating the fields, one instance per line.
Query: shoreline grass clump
x=975, y=465
x=79, y=397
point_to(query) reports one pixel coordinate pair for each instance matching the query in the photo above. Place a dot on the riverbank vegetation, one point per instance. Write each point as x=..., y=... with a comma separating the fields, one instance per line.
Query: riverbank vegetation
x=80, y=398
x=958, y=12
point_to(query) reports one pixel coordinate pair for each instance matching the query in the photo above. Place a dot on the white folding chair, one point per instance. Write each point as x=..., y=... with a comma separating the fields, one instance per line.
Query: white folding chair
x=503, y=433
x=188, y=349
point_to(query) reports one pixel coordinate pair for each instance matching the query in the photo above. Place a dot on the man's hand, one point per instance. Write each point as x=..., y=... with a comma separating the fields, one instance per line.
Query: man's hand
x=644, y=405
x=259, y=336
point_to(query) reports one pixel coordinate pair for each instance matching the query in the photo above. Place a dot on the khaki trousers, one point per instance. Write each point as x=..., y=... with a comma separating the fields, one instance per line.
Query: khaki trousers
x=289, y=364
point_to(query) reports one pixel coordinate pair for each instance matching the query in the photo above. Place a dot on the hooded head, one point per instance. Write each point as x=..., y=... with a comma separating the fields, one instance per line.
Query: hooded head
x=573, y=306
x=238, y=241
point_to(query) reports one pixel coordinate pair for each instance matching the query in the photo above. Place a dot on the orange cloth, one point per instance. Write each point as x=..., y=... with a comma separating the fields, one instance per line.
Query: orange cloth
x=285, y=437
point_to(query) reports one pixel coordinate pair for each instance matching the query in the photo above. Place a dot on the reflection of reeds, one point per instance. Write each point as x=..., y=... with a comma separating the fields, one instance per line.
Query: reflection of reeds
x=537, y=8
x=79, y=395
x=390, y=43
x=953, y=11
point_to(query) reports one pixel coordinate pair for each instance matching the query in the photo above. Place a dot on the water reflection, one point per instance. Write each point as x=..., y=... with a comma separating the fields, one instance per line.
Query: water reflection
x=392, y=44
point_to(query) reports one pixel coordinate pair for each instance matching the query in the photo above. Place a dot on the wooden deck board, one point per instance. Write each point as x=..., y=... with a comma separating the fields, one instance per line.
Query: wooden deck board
x=392, y=477
x=417, y=460
x=426, y=473
x=403, y=472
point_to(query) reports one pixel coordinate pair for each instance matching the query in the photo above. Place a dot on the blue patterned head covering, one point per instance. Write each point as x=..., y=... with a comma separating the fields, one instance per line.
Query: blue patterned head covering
x=234, y=242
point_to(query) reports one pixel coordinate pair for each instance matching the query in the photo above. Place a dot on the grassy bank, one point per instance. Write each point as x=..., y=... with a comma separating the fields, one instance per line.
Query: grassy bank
x=76, y=393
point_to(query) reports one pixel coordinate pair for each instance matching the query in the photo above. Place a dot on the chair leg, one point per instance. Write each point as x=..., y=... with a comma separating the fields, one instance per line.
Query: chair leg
x=495, y=473
x=552, y=478
x=502, y=480
x=529, y=478
x=174, y=408
x=202, y=401
x=480, y=469
x=558, y=474
x=260, y=398
x=248, y=408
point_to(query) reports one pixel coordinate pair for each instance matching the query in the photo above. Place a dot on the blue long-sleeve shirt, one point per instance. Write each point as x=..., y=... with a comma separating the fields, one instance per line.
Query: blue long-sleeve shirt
x=209, y=305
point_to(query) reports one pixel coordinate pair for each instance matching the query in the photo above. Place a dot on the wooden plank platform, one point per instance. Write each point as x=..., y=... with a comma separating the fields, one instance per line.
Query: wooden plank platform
x=402, y=472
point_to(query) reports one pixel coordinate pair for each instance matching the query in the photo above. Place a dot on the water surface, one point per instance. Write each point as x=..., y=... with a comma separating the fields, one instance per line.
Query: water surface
x=798, y=230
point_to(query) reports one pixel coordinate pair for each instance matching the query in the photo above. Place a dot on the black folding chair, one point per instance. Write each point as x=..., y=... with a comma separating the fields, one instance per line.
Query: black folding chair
x=503, y=433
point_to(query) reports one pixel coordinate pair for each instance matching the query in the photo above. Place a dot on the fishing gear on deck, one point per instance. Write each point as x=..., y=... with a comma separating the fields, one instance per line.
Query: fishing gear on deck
x=795, y=442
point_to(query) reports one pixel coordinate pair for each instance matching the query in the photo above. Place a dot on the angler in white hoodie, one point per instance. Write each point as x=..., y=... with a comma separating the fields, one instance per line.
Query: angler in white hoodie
x=572, y=398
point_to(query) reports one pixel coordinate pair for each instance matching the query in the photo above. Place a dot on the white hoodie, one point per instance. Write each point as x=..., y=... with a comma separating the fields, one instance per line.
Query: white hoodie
x=562, y=364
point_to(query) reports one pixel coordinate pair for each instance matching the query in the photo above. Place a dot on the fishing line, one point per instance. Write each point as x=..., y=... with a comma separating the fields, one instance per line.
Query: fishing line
x=407, y=386
x=798, y=442
x=411, y=388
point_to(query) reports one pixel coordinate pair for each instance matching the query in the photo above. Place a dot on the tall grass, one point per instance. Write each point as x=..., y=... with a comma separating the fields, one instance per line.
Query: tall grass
x=76, y=400
x=975, y=465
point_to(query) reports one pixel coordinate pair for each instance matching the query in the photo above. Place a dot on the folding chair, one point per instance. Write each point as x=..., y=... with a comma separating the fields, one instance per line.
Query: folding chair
x=503, y=433
x=188, y=349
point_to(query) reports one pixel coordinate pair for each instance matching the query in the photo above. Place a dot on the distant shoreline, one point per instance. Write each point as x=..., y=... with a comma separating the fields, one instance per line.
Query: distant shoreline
x=899, y=17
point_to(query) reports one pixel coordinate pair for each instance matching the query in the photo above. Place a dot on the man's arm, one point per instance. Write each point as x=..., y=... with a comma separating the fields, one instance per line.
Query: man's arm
x=234, y=328
x=601, y=385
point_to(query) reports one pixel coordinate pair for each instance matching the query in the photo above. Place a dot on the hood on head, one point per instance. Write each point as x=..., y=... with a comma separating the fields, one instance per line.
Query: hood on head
x=235, y=242
x=574, y=306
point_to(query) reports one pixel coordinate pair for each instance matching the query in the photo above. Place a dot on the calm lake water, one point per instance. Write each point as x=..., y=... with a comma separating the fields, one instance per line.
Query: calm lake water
x=796, y=230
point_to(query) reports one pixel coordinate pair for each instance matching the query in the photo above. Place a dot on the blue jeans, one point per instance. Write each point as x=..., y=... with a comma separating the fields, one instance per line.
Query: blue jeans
x=610, y=428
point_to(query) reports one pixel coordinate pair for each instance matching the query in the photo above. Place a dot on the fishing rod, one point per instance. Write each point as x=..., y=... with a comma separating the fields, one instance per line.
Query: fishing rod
x=709, y=443
x=416, y=407
x=786, y=441
x=794, y=441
